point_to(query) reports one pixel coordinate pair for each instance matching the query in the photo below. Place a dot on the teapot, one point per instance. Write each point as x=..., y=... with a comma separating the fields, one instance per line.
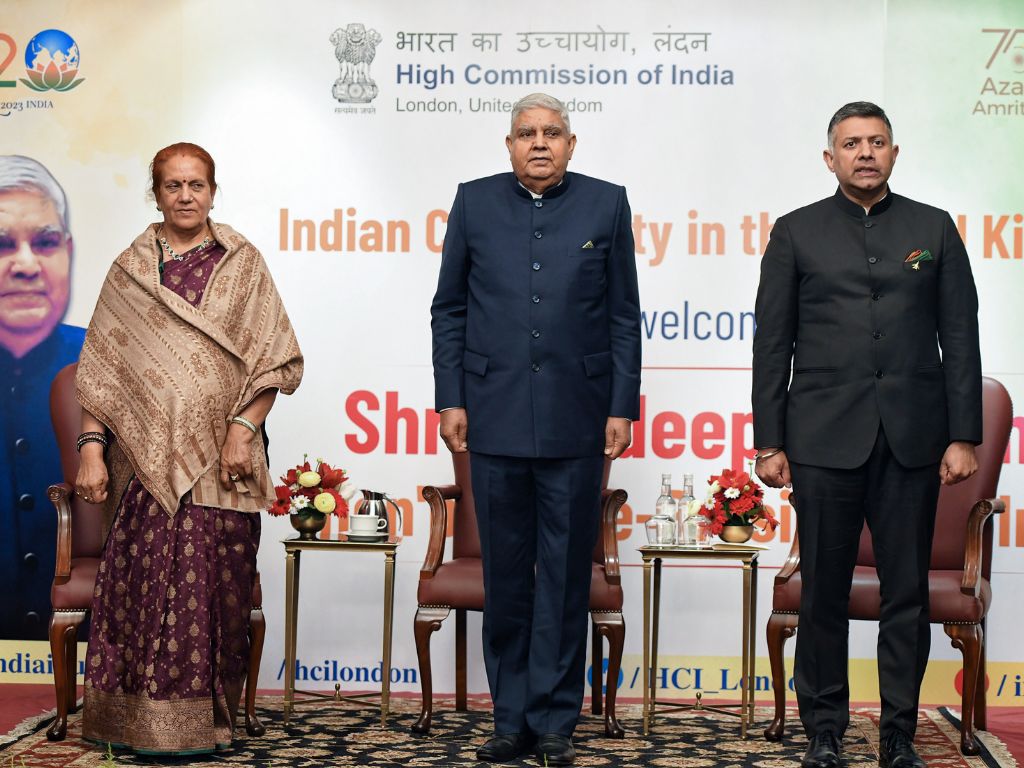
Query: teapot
x=374, y=505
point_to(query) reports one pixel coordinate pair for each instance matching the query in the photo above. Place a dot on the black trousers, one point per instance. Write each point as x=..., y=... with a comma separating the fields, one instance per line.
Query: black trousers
x=538, y=520
x=831, y=507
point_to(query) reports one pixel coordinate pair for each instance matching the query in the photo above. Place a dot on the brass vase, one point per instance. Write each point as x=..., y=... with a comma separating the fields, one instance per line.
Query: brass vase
x=736, y=534
x=308, y=524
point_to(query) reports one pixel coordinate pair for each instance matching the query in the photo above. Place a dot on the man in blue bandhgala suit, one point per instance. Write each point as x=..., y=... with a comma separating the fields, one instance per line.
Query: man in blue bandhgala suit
x=536, y=350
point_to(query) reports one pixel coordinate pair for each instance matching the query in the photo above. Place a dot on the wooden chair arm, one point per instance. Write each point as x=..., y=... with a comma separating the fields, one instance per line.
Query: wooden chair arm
x=792, y=564
x=980, y=513
x=436, y=496
x=60, y=494
x=612, y=500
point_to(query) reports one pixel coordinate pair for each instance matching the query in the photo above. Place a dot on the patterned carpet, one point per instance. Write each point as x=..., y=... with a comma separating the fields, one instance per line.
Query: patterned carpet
x=336, y=735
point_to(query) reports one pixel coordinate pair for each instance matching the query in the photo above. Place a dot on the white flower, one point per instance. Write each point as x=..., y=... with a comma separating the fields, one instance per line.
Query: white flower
x=709, y=505
x=694, y=507
x=298, y=504
x=714, y=488
x=732, y=493
x=348, y=491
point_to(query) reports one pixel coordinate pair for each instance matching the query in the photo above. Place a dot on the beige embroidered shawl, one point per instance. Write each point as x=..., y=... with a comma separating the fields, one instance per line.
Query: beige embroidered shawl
x=167, y=377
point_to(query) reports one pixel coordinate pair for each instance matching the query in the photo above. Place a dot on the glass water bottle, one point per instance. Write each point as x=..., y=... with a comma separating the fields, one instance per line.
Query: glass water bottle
x=661, y=528
x=686, y=526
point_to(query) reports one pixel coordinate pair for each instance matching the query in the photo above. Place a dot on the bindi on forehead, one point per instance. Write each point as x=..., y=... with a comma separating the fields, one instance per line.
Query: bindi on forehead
x=184, y=169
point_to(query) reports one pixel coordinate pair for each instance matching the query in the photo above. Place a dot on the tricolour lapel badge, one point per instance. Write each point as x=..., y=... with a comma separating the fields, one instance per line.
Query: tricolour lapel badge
x=916, y=257
x=588, y=244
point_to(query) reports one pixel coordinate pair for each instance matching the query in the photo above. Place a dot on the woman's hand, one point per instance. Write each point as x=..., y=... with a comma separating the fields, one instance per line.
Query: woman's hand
x=91, y=482
x=236, y=456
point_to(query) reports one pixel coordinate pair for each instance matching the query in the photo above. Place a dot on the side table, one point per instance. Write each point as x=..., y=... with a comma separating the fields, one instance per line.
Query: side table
x=293, y=549
x=652, y=556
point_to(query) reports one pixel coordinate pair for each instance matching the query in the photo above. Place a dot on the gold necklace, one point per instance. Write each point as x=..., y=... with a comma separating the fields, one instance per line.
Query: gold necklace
x=177, y=256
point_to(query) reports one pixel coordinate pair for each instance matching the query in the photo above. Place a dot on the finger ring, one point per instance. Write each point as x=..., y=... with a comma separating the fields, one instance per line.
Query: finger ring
x=234, y=478
x=87, y=498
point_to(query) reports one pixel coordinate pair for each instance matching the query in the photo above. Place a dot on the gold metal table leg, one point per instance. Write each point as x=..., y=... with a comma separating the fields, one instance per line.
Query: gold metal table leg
x=655, y=617
x=752, y=671
x=745, y=679
x=648, y=673
x=291, y=619
x=389, y=611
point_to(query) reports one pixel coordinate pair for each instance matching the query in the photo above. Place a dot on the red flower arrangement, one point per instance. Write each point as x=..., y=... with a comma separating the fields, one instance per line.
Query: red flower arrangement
x=734, y=499
x=324, y=490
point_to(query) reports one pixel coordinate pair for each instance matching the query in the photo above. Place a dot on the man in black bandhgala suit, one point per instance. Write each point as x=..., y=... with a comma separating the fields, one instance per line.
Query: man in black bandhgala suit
x=866, y=395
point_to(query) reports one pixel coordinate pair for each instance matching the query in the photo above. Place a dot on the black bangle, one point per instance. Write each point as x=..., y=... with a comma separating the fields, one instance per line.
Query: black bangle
x=92, y=437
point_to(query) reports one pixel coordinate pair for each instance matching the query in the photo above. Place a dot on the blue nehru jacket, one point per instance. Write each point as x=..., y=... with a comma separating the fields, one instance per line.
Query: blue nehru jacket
x=29, y=462
x=536, y=319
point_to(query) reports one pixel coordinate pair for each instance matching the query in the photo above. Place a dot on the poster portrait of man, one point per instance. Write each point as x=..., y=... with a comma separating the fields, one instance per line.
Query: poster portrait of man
x=36, y=250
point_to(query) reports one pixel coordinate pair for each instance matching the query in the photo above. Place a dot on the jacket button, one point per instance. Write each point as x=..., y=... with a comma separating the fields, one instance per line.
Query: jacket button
x=26, y=502
x=31, y=619
x=535, y=367
x=879, y=374
x=876, y=335
x=535, y=299
x=22, y=445
x=873, y=260
x=876, y=296
x=535, y=333
x=538, y=203
x=868, y=224
x=536, y=266
x=31, y=561
x=538, y=234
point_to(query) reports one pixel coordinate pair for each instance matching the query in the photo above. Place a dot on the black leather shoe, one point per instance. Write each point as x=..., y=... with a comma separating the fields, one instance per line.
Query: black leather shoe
x=554, y=749
x=822, y=752
x=897, y=751
x=504, y=747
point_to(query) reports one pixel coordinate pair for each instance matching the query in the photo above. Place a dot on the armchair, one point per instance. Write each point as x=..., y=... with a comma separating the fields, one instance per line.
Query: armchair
x=958, y=582
x=79, y=550
x=458, y=584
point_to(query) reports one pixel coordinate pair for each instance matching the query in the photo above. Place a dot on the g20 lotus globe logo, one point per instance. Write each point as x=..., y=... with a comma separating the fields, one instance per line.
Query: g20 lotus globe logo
x=51, y=62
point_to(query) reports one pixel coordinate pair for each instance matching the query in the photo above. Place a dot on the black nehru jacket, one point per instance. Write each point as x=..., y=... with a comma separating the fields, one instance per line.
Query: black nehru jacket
x=851, y=334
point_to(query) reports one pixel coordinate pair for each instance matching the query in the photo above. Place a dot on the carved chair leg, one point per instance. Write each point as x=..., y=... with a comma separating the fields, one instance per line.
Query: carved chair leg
x=980, y=697
x=71, y=649
x=63, y=628
x=781, y=627
x=428, y=620
x=596, y=668
x=968, y=638
x=257, y=632
x=610, y=624
x=460, y=660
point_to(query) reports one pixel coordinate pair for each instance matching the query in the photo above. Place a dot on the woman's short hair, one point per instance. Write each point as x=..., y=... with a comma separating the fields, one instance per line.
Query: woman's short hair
x=189, y=150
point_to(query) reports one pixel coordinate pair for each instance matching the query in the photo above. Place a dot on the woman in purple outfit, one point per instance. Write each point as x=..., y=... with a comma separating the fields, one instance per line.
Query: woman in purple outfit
x=186, y=351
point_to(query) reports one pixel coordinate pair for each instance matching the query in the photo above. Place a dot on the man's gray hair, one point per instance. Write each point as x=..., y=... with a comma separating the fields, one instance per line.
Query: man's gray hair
x=543, y=101
x=20, y=173
x=856, y=109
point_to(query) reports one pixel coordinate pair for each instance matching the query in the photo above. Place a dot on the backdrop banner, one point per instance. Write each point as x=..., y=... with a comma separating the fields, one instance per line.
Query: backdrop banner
x=340, y=132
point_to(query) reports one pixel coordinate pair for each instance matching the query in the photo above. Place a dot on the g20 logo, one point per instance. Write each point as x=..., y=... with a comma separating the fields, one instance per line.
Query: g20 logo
x=51, y=61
